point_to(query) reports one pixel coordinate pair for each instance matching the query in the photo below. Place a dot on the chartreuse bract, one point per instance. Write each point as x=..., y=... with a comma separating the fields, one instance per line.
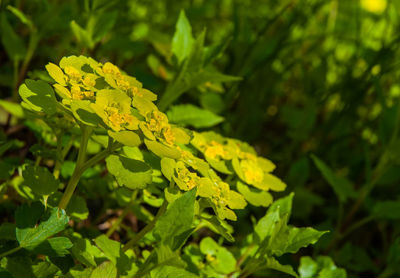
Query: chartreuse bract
x=195, y=179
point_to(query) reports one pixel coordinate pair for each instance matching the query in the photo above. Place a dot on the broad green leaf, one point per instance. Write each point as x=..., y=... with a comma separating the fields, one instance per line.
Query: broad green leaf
x=40, y=180
x=38, y=96
x=29, y=238
x=44, y=269
x=56, y=73
x=106, y=269
x=54, y=247
x=162, y=150
x=254, y=196
x=27, y=215
x=112, y=250
x=181, y=213
x=77, y=208
x=221, y=227
x=183, y=39
x=219, y=257
x=322, y=267
x=342, y=187
x=292, y=239
x=13, y=44
x=131, y=173
x=17, y=266
x=171, y=271
x=188, y=114
x=85, y=252
x=387, y=210
x=126, y=137
x=272, y=263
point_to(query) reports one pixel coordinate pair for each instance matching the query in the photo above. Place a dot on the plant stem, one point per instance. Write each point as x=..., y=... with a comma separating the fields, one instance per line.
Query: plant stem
x=78, y=171
x=147, y=228
x=10, y=251
x=117, y=223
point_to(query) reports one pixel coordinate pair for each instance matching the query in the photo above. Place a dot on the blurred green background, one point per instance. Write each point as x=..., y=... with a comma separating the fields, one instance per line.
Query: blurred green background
x=318, y=94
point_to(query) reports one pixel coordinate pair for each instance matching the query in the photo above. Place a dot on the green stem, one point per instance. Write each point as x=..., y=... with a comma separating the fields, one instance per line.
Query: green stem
x=10, y=251
x=147, y=228
x=117, y=223
x=78, y=171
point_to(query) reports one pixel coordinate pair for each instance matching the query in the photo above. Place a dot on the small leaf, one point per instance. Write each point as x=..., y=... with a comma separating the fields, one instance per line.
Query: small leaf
x=14, y=109
x=82, y=35
x=83, y=111
x=272, y=263
x=183, y=39
x=131, y=173
x=112, y=250
x=54, y=247
x=254, y=196
x=38, y=96
x=181, y=213
x=219, y=257
x=40, y=180
x=106, y=269
x=29, y=238
x=342, y=187
x=171, y=271
x=162, y=150
x=187, y=114
x=126, y=137
x=322, y=267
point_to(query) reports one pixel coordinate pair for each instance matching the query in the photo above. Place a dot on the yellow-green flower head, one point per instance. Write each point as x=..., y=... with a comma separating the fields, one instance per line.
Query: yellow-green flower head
x=115, y=110
x=184, y=178
x=73, y=74
x=109, y=68
x=253, y=174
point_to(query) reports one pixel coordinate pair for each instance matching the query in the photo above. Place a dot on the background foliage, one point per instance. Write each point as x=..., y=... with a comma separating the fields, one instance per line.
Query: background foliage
x=312, y=84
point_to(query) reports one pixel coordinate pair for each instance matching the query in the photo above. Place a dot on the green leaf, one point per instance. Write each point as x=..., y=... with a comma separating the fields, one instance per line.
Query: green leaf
x=29, y=238
x=254, y=196
x=14, y=109
x=18, y=266
x=131, y=173
x=188, y=114
x=222, y=260
x=38, y=96
x=85, y=252
x=168, y=167
x=171, y=271
x=40, y=180
x=106, y=269
x=292, y=239
x=44, y=269
x=77, y=208
x=272, y=263
x=342, y=187
x=221, y=227
x=13, y=44
x=84, y=112
x=126, y=137
x=162, y=150
x=82, y=35
x=27, y=215
x=322, y=267
x=24, y=19
x=112, y=250
x=181, y=214
x=183, y=39
x=387, y=210
x=7, y=231
x=54, y=247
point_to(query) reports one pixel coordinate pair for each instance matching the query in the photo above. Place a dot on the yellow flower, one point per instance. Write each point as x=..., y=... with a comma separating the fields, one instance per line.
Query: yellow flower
x=214, y=150
x=89, y=80
x=168, y=135
x=76, y=92
x=123, y=84
x=253, y=174
x=186, y=180
x=374, y=6
x=109, y=68
x=73, y=74
x=157, y=121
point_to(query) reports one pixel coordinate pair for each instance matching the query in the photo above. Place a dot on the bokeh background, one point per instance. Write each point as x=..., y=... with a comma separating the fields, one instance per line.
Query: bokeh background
x=318, y=95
